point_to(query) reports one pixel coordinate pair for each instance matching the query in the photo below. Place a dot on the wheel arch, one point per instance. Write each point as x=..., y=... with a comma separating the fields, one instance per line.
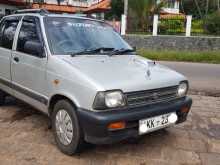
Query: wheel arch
x=55, y=98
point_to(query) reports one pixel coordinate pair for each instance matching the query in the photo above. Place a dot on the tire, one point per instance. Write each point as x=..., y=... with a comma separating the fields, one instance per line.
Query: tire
x=67, y=144
x=2, y=97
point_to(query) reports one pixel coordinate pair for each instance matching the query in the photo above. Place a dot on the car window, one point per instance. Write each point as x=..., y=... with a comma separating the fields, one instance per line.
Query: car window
x=71, y=35
x=30, y=31
x=7, y=31
x=1, y=30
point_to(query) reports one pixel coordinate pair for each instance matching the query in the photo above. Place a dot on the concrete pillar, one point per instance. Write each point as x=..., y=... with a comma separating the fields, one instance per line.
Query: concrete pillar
x=188, y=25
x=155, y=25
x=103, y=16
x=123, y=24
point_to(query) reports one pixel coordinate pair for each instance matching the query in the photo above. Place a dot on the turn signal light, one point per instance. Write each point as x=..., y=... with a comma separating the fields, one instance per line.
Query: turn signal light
x=117, y=125
x=184, y=110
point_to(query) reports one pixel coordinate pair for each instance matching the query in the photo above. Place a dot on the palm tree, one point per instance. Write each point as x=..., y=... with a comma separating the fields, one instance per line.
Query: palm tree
x=198, y=8
x=207, y=7
x=218, y=4
x=144, y=9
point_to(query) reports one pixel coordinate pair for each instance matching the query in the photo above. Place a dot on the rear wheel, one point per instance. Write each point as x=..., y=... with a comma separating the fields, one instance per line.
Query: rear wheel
x=2, y=97
x=66, y=128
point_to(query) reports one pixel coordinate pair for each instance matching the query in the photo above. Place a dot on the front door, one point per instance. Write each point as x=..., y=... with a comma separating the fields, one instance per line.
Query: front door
x=29, y=69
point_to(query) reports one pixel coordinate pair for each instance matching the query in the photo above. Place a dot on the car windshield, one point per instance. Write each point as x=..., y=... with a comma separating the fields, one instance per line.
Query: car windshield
x=69, y=36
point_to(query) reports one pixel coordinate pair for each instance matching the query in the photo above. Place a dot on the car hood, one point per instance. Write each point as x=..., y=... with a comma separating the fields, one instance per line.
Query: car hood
x=125, y=72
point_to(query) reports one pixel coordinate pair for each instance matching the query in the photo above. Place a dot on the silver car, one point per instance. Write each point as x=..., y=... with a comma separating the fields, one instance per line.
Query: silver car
x=87, y=79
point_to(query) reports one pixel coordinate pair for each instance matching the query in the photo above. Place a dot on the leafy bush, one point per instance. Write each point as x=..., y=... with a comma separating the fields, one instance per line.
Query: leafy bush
x=197, y=26
x=172, y=26
x=212, y=23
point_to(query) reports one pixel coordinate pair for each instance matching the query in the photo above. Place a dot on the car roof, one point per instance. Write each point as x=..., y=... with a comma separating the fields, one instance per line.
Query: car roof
x=76, y=16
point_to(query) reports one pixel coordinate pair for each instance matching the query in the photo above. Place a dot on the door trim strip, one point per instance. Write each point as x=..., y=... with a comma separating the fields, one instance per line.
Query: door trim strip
x=24, y=91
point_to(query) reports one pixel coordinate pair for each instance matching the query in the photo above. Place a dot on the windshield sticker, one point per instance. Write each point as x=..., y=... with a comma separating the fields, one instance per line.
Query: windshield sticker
x=85, y=25
x=80, y=25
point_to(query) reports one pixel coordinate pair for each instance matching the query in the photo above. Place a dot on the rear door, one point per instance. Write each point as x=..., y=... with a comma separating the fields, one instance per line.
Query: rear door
x=8, y=28
x=28, y=69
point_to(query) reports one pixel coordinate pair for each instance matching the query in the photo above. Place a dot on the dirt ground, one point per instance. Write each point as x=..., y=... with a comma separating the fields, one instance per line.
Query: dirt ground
x=26, y=140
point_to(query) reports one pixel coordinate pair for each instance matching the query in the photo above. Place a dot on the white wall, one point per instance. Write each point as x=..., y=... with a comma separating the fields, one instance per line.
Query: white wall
x=171, y=10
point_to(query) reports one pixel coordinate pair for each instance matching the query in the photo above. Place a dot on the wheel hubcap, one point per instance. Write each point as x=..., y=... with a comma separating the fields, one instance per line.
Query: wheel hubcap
x=64, y=127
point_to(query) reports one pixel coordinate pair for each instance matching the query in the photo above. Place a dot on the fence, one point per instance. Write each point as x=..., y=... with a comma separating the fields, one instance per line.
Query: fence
x=198, y=28
x=180, y=25
x=159, y=25
x=172, y=26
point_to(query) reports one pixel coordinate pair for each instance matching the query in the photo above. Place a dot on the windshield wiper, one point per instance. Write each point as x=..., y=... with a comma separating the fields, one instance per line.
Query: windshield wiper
x=122, y=51
x=100, y=50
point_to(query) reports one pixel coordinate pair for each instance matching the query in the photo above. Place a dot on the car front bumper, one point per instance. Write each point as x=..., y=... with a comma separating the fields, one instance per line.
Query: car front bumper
x=95, y=124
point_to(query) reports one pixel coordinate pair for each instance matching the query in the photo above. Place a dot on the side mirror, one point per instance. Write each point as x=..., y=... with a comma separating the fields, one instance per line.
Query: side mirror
x=34, y=48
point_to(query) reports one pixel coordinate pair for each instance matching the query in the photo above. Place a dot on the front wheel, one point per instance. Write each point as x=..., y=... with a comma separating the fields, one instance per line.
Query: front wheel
x=66, y=128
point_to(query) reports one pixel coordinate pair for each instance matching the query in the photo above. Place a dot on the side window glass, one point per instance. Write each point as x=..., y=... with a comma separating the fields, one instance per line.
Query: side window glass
x=28, y=32
x=1, y=30
x=7, y=32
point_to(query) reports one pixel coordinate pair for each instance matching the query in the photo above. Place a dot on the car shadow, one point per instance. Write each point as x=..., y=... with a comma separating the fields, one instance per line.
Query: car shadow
x=132, y=144
x=23, y=111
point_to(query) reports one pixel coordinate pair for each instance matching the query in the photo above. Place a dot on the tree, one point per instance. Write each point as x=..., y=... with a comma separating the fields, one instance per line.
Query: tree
x=199, y=8
x=212, y=23
x=218, y=4
x=143, y=10
x=117, y=9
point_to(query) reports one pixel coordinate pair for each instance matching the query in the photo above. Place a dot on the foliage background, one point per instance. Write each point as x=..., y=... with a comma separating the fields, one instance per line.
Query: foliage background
x=199, y=8
x=205, y=16
x=117, y=9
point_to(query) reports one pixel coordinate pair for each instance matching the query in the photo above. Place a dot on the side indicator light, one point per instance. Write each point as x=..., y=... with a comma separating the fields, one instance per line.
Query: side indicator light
x=117, y=126
x=56, y=82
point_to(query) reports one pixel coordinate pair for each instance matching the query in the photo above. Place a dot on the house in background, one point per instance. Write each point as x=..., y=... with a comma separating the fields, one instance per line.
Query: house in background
x=171, y=9
x=9, y=6
x=96, y=8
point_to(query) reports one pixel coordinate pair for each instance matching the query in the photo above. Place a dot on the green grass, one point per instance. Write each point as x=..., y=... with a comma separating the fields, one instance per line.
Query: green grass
x=185, y=56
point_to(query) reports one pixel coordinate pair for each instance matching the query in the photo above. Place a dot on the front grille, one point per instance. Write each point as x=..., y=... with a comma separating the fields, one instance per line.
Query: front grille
x=148, y=97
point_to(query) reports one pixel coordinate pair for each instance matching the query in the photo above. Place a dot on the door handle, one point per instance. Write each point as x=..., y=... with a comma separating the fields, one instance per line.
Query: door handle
x=16, y=59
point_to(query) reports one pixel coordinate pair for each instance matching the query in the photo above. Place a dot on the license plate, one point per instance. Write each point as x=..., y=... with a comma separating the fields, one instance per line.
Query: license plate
x=155, y=123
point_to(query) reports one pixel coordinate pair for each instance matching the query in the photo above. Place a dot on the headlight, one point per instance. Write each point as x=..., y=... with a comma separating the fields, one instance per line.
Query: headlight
x=109, y=99
x=182, y=89
x=114, y=99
